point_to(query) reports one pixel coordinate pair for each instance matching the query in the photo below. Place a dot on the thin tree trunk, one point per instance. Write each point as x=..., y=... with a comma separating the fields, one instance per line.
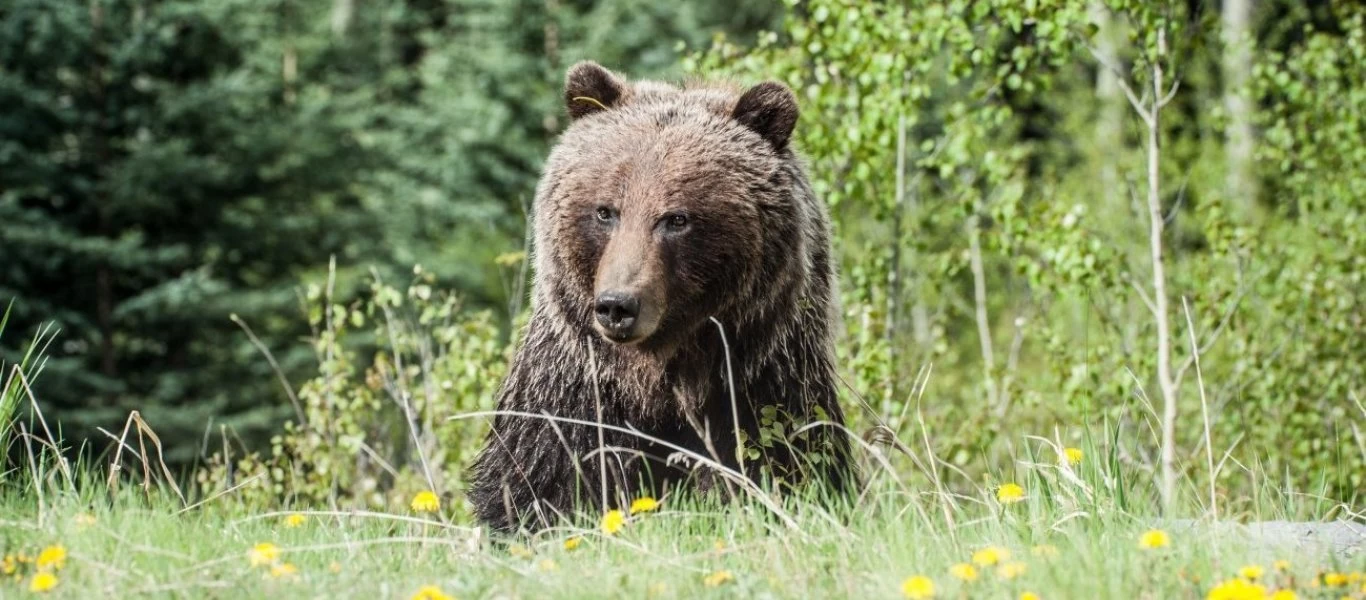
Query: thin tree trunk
x=979, y=290
x=1110, y=120
x=1160, y=311
x=894, y=269
x=1239, y=184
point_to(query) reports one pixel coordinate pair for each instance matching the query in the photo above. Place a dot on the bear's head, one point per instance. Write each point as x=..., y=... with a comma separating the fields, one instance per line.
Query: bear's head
x=663, y=206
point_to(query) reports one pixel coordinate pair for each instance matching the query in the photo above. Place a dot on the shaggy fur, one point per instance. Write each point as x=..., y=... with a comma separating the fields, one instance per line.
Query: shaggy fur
x=753, y=252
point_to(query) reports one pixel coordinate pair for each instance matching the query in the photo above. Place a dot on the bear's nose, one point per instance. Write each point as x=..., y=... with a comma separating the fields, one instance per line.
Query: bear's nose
x=617, y=312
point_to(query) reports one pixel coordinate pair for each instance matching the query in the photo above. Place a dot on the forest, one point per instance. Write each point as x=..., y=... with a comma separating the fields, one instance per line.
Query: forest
x=278, y=250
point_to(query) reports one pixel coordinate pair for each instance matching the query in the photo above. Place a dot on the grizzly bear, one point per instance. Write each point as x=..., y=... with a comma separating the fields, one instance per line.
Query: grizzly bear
x=683, y=298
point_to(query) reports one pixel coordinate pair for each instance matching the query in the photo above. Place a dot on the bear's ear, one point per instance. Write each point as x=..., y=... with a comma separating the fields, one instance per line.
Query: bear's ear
x=770, y=110
x=590, y=88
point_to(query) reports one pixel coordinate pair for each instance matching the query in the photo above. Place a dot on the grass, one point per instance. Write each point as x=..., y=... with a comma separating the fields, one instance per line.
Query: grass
x=144, y=542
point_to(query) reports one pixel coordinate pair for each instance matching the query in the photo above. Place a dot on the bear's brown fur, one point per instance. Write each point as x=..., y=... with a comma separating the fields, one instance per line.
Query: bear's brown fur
x=659, y=209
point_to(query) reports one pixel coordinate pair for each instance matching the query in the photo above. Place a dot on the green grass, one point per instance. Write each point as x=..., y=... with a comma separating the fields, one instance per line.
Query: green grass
x=151, y=546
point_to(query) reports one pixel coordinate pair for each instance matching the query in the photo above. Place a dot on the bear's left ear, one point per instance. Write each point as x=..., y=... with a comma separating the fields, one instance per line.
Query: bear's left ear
x=770, y=110
x=589, y=88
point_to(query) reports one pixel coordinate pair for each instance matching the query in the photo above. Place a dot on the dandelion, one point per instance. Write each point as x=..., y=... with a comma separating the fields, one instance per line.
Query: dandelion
x=720, y=545
x=613, y=521
x=1284, y=595
x=1334, y=579
x=1010, y=493
x=1010, y=570
x=294, y=520
x=84, y=519
x=283, y=570
x=1154, y=538
x=718, y=578
x=644, y=504
x=334, y=567
x=431, y=592
x=1281, y=565
x=51, y=558
x=572, y=543
x=1044, y=551
x=8, y=566
x=264, y=553
x=426, y=501
x=1251, y=572
x=1030, y=596
x=964, y=571
x=989, y=556
x=1237, y=589
x=919, y=587
x=42, y=582
x=1071, y=456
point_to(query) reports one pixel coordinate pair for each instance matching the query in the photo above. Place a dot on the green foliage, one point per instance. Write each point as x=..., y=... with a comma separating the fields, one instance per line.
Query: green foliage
x=372, y=431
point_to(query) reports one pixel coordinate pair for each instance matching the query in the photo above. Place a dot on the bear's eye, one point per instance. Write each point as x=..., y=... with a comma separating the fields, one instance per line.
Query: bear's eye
x=604, y=214
x=676, y=222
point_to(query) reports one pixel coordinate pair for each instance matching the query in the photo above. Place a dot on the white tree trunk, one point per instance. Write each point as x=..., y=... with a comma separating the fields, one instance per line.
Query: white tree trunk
x=1239, y=184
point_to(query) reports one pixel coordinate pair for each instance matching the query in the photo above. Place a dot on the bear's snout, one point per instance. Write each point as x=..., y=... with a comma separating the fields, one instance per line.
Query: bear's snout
x=617, y=312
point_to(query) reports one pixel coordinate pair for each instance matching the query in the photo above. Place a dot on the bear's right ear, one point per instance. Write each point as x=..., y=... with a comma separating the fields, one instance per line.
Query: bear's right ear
x=589, y=88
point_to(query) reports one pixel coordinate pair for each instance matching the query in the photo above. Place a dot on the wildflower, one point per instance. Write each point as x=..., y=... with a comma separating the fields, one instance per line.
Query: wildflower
x=919, y=587
x=1154, y=538
x=1044, y=551
x=1281, y=565
x=964, y=571
x=520, y=551
x=8, y=566
x=334, y=567
x=283, y=570
x=989, y=556
x=1029, y=596
x=572, y=543
x=720, y=545
x=51, y=558
x=1251, y=572
x=1010, y=570
x=548, y=565
x=431, y=592
x=1334, y=579
x=613, y=521
x=644, y=504
x=426, y=501
x=42, y=582
x=1237, y=589
x=294, y=520
x=84, y=519
x=263, y=553
x=1071, y=456
x=1284, y=595
x=1010, y=493
x=718, y=578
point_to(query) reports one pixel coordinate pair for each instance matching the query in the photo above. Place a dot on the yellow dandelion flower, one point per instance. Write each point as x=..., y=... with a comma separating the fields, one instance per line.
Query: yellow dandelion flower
x=263, y=553
x=718, y=578
x=613, y=521
x=42, y=582
x=334, y=567
x=1237, y=589
x=1010, y=570
x=283, y=570
x=1010, y=493
x=1030, y=596
x=8, y=566
x=1154, y=538
x=295, y=520
x=644, y=504
x=1334, y=579
x=1072, y=456
x=964, y=571
x=918, y=587
x=431, y=592
x=1284, y=595
x=989, y=556
x=548, y=565
x=520, y=551
x=572, y=543
x=1355, y=577
x=720, y=545
x=1281, y=565
x=51, y=558
x=1251, y=572
x=1044, y=551
x=84, y=519
x=426, y=501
